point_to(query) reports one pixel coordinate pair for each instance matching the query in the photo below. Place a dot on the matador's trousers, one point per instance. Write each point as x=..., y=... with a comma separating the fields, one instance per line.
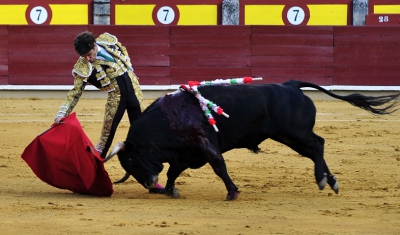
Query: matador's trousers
x=123, y=98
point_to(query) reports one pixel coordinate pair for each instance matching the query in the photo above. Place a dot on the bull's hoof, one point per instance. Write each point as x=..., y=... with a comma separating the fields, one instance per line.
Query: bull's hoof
x=335, y=188
x=157, y=191
x=333, y=183
x=322, y=183
x=232, y=196
x=174, y=193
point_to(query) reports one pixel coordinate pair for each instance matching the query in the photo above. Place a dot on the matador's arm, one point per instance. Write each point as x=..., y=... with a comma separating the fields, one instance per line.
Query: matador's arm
x=72, y=98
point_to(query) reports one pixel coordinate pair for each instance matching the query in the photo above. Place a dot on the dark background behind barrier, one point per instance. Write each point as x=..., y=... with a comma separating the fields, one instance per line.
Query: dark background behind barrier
x=169, y=55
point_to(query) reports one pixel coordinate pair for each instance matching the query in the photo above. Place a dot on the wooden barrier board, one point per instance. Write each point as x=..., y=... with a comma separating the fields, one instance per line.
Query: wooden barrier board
x=3, y=55
x=171, y=55
x=207, y=53
x=148, y=48
x=367, y=55
x=42, y=55
x=301, y=53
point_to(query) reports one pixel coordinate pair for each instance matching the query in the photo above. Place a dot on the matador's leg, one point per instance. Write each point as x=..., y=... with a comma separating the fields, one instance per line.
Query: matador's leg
x=134, y=98
x=109, y=127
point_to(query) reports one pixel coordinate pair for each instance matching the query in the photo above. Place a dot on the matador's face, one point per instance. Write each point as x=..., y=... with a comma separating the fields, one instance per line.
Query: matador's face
x=91, y=56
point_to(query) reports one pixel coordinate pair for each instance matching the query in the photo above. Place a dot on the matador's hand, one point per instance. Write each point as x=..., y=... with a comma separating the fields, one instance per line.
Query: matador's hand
x=58, y=119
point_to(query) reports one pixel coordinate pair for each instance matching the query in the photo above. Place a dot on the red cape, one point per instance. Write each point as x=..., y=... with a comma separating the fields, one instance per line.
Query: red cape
x=64, y=157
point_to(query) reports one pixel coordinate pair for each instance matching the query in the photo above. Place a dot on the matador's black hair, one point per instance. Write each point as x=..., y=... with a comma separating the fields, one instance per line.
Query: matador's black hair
x=84, y=42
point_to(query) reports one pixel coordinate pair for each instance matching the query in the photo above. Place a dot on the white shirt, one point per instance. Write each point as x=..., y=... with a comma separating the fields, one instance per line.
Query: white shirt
x=104, y=51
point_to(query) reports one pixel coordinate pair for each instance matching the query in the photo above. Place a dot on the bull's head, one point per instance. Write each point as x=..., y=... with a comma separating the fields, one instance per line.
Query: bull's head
x=143, y=168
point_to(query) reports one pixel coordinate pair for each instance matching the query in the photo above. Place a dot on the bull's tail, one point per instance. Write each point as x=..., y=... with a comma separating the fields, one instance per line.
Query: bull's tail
x=369, y=103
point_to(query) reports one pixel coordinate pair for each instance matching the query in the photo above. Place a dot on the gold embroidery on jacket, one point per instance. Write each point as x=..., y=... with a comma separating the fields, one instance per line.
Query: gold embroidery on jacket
x=107, y=78
x=73, y=96
x=82, y=68
x=107, y=39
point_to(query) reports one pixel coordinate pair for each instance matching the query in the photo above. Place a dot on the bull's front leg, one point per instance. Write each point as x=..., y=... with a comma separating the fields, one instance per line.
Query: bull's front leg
x=173, y=172
x=219, y=167
x=217, y=162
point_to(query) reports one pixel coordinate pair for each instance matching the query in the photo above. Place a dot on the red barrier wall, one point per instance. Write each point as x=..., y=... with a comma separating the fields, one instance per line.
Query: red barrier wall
x=3, y=55
x=165, y=55
x=303, y=53
x=367, y=55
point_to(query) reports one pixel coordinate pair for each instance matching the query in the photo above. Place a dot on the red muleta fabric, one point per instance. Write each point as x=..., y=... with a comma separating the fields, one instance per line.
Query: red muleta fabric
x=64, y=157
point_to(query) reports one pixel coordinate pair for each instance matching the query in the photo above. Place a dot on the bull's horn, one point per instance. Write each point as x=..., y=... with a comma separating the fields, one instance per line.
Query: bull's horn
x=123, y=179
x=119, y=146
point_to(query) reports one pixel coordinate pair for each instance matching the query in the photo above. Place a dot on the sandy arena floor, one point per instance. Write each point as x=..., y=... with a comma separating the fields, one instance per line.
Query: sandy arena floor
x=278, y=193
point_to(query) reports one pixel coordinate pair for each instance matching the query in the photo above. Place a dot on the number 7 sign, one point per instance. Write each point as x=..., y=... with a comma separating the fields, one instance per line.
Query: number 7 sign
x=38, y=15
x=295, y=15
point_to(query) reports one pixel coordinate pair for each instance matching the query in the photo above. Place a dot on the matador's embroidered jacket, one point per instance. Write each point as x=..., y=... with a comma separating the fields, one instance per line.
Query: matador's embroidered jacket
x=101, y=73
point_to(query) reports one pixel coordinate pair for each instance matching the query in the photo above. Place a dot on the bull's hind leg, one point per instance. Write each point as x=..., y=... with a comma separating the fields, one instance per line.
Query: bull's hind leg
x=312, y=146
x=331, y=179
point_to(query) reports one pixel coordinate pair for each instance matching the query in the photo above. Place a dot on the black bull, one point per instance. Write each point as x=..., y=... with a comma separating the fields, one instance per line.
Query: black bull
x=173, y=129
